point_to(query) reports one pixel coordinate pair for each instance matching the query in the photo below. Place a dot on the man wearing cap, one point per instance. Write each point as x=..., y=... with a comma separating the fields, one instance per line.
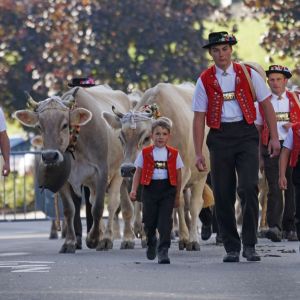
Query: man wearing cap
x=280, y=213
x=224, y=99
x=4, y=145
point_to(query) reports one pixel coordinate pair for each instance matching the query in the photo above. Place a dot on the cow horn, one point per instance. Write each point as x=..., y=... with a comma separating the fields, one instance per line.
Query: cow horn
x=30, y=102
x=117, y=113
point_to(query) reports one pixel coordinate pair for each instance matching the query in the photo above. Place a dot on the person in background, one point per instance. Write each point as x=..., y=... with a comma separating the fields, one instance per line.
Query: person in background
x=158, y=169
x=280, y=211
x=290, y=156
x=4, y=145
x=223, y=97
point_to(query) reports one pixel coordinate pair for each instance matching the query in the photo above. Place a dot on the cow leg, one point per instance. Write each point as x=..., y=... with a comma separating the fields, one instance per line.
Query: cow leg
x=69, y=245
x=196, y=204
x=53, y=231
x=116, y=225
x=113, y=204
x=127, y=213
x=183, y=229
x=77, y=219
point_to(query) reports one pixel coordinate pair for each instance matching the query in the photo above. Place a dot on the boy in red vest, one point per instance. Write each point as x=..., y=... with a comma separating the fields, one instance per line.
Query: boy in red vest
x=158, y=169
x=280, y=213
x=223, y=97
x=291, y=149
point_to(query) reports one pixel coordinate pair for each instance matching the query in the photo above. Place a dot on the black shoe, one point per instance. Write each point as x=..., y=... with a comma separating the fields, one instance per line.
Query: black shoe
x=232, y=257
x=163, y=257
x=206, y=232
x=151, y=251
x=274, y=234
x=250, y=254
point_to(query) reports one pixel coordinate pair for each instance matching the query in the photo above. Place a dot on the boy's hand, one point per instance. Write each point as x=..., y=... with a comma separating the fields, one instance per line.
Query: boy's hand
x=132, y=195
x=282, y=183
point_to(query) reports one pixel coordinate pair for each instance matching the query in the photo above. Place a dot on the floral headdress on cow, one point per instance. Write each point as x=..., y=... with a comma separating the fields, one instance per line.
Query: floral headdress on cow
x=153, y=109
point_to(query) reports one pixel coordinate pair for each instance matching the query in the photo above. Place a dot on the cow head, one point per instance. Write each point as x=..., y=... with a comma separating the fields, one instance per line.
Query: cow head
x=54, y=118
x=135, y=133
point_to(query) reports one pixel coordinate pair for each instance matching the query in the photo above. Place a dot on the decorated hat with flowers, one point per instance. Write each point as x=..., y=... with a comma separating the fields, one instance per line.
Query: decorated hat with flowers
x=84, y=82
x=279, y=69
x=219, y=38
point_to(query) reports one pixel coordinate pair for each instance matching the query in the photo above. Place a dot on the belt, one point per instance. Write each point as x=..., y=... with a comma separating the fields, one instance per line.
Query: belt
x=228, y=96
x=283, y=116
x=160, y=164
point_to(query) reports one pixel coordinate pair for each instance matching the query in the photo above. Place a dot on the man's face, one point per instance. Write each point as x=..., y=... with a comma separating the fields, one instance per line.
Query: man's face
x=221, y=55
x=277, y=83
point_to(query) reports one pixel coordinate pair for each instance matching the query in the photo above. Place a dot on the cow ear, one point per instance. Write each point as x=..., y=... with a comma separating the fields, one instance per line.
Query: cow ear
x=26, y=117
x=112, y=120
x=80, y=116
x=37, y=141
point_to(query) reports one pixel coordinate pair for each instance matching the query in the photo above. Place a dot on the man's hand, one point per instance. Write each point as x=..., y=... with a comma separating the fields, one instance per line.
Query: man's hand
x=282, y=183
x=200, y=163
x=132, y=196
x=6, y=169
x=274, y=147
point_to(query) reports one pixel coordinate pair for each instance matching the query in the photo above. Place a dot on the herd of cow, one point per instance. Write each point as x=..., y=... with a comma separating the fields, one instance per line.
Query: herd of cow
x=91, y=136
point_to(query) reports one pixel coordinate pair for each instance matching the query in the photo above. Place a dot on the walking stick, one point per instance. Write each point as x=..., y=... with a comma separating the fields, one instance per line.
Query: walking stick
x=57, y=218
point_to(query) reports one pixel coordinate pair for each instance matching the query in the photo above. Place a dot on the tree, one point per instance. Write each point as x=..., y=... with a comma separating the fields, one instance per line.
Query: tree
x=284, y=27
x=127, y=44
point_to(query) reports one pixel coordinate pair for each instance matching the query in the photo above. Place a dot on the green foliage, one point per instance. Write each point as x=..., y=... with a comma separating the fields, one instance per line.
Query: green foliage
x=281, y=39
x=127, y=44
x=18, y=190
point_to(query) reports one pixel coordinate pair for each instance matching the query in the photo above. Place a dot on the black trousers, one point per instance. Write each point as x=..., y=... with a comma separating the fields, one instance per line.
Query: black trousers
x=234, y=151
x=296, y=182
x=280, y=212
x=158, y=202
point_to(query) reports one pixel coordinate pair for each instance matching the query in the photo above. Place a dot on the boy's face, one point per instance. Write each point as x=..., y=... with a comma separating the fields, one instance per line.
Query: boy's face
x=160, y=136
x=221, y=55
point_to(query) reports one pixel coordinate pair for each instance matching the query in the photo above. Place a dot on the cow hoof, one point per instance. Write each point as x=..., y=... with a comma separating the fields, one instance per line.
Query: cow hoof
x=127, y=245
x=53, y=236
x=105, y=244
x=91, y=243
x=78, y=243
x=67, y=248
x=144, y=243
x=181, y=245
x=193, y=246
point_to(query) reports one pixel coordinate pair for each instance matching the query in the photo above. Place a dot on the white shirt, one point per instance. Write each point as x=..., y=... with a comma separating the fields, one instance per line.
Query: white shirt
x=231, y=111
x=2, y=121
x=159, y=154
x=289, y=140
x=282, y=106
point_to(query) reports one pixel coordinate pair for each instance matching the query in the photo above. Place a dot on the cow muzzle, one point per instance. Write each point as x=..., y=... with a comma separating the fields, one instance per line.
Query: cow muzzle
x=51, y=157
x=127, y=170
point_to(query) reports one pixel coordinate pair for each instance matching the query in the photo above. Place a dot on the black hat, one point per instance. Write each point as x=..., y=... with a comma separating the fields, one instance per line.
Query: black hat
x=218, y=38
x=84, y=82
x=279, y=69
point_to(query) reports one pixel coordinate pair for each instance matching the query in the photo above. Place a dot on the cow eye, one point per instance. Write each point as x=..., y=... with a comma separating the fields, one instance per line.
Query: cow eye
x=64, y=126
x=38, y=127
x=121, y=140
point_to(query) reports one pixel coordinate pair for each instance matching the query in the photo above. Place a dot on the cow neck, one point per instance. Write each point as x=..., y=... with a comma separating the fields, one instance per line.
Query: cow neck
x=74, y=134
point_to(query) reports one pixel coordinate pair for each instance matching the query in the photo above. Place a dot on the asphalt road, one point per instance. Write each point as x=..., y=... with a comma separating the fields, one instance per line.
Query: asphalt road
x=32, y=268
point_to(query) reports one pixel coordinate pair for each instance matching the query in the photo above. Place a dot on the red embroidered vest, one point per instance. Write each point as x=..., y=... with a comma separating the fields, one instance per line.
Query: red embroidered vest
x=296, y=145
x=148, y=165
x=215, y=95
x=294, y=117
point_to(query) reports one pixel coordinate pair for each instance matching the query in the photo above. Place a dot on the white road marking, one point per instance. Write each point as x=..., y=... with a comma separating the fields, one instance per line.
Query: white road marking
x=13, y=254
x=27, y=266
